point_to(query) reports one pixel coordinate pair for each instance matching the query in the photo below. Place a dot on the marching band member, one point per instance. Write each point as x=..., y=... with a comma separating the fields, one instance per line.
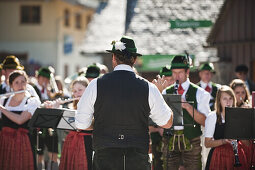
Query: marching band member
x=10, y=64
x=221, y=155
x=77, y=148
x=48, y=137
x=15, y=147
x=206, y=72
x=190, y=156
x=243, y=100
x=156, y=132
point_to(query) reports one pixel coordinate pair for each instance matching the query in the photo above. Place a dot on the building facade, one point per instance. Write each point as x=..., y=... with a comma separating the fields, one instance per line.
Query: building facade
x=43, y=33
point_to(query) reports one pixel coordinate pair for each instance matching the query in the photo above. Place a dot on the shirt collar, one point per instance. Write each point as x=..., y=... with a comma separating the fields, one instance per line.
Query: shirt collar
x=123, y=67
x=38, y=86
x=185, y=85
x=203, y=84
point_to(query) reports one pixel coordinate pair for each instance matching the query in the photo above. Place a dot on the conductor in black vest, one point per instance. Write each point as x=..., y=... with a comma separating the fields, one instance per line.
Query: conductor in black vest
x=121, y=103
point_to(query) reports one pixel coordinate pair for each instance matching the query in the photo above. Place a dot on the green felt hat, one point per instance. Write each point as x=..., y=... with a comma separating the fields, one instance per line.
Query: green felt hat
x=180, y=61
x=12, y=62
x=166, y=71
x=44, y=72
x=207, y=66
x=93, y=71
x=126, y=46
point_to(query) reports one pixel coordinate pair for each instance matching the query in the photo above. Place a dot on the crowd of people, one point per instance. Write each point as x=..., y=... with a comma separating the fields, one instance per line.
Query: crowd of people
x=120, y=115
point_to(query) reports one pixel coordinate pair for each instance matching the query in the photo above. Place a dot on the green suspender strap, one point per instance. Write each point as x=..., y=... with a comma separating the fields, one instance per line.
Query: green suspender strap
x=189, y=131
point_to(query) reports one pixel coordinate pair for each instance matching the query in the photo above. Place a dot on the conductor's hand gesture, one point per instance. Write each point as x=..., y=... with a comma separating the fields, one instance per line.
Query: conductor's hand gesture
x=160, y=82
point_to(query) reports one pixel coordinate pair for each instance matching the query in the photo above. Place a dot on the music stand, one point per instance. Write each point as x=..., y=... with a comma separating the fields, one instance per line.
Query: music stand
x=53, y=118
x=175, y=103
x=239, y=123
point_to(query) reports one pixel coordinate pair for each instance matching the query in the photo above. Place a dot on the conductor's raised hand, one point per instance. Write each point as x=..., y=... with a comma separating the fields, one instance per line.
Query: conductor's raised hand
x=160, y=82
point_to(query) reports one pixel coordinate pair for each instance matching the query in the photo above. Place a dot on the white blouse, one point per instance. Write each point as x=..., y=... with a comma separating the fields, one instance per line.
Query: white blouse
x=210, y=123
x=29, y=104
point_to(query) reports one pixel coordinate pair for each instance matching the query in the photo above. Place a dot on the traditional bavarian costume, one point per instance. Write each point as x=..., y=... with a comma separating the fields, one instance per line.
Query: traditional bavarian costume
x=210, y=87
x=222, y=157
x=15, y=147
x=156, y=138
x=77, y=151
x=189, y=136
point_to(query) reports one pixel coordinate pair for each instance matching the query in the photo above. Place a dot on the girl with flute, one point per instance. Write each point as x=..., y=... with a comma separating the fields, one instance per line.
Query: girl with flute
x=15, y=146
x=221, y=155
x=77, y=148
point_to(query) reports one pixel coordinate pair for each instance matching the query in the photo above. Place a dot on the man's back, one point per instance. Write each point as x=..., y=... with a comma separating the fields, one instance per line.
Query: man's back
x=122, y=111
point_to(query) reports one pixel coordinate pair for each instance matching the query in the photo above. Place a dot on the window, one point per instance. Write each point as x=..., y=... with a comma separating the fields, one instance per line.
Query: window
x=67, y=17
x=78, y=21
x=30, y=14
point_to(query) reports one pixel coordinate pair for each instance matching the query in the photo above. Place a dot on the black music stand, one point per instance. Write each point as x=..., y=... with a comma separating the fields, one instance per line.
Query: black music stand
x=239, y=123
x=53, y=118
x=175, y=103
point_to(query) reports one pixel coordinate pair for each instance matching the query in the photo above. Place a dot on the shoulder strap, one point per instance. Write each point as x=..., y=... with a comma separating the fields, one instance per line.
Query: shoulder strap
x=5, y=101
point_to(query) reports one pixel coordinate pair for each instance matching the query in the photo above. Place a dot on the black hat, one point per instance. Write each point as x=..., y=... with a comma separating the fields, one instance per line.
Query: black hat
x=126, y=46
x=166, y=71
x=207, y=66
x=93, y=71
x=242, y=68
x=44, y=72
x=12, y=62
x=180, y=61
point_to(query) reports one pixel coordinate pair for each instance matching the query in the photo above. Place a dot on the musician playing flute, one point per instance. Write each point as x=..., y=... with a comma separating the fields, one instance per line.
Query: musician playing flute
x=77, y=147
x=221, y=155
x=15, y=147
x=10, y=64
x=242, y=95
x=190, y=156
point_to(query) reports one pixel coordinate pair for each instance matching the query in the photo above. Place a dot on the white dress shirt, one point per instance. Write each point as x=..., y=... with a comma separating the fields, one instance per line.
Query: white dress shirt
x=210, y=124
x=160, y=112
x=202, y=97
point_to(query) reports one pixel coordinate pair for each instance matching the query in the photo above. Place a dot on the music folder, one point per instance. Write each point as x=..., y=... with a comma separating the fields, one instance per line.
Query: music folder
x=53, y=118
x=175, y=103
x=239, y=123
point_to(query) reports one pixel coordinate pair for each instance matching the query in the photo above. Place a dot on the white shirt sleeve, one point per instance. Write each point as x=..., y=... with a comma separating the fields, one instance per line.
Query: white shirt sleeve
x=32, y=91
x=85, y=107
x=203, y=99
x=160, y=111
x=2, y=102
x=32, y=104
x=210, y=123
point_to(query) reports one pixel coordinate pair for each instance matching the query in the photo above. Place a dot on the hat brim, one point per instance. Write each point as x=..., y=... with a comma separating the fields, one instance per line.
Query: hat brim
x=212, y=71
x=20, y=67
x=119, y=52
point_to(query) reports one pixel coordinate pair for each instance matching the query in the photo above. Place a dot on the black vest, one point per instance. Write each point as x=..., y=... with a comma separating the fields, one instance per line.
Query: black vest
x=121, y=111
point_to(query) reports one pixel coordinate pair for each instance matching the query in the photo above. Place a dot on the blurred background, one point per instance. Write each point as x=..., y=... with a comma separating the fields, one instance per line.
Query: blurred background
x=71, y=34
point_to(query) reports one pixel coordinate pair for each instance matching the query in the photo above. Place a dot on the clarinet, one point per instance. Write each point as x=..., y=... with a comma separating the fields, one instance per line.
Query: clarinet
x=235, y=149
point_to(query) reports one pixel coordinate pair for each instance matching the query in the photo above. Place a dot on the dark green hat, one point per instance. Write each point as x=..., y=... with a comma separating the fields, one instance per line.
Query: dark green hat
x=180, y=61
x=126, y=46
x=207, y=66
x=166, y=71
x=44, y=72
x=12, y=62
x=93, y=71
